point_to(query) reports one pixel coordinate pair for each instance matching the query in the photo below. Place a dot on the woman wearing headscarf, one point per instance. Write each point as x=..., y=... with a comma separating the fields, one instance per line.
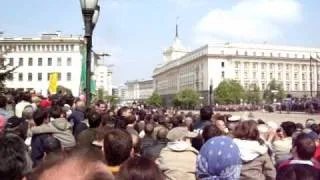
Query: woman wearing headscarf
x=219, y=159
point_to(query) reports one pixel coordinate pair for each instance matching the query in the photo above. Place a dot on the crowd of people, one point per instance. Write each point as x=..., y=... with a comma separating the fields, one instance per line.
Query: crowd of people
x=61, y=138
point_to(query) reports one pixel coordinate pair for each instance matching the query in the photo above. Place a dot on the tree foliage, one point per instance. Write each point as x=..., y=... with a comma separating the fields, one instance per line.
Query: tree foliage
x=64, y=90
x=187, y=98
x=103, y=95
x=253, y=94
x=229, y=92
x=155, y=100
x=273, y=91
x=5, y=69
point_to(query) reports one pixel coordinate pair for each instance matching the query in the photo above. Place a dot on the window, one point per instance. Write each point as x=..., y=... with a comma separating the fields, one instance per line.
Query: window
x=303, y=76
x=10, y=76
x=59, y=76
x=262, y=75
x=33, y=48
x=288, y=55
x=296, y=87
x=57, y=47
x=20, y=77
x=62, y=47
x=254, y=53
x=303, y=56
x=271, y=75
x=246, y=53
x=237, y=53
x=237, y=64
x=222, y=74
x=279, y=66
x=262, y=54
x=48, y=47
x=49, y=61
x=303, y=86
x=303, y=67
x=10, y=61
x=48, y=76
x=29, y=76
x=72, y=47
x=39, y=76
x=254, y=65
x=287, y=76
x=30, y=63
x=288, y=86
x=279, y=76
x=279, y=54
x=68, y=76
x=271, y=66
x=295, y=55
x=43, y=47
x=237, y=75
x=39, y=61
x=59, y=62
x=246, y=75
x=246, y=65
x=222, y=64
x=270, y=54
x=67, y=47
x=69, y=63
x=263, y=85
x=20, y=61
x=254, y=75
x=295, y=76
x=263, y=65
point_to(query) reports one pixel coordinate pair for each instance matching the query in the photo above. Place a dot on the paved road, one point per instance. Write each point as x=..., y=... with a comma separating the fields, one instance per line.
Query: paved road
x=276, y=116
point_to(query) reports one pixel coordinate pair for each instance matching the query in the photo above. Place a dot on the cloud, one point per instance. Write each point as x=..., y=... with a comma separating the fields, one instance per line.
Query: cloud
x=249, y=20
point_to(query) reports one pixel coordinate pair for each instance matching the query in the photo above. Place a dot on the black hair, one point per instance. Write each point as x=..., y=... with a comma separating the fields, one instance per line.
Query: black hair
x=288, y=127
x=51, y=145
x=305, y=146
x=3, y=101
x=56, y=112
x=39, y=116
x=206, y=113
x=117, y=146
x=148, y=129
x=13, y=157
x=298, y=172
x=94, y=119
x=210, y=131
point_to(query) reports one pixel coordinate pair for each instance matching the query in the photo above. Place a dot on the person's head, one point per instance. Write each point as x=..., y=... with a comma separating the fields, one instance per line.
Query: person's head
x=219, y=158
x=13, y=161
x=247, y=130
x=3, y=101
x=94, y=119
x=298, y=172
x=303, y=147
x=82, y=164
x=101, y=107
x=210, y=131
x=206, y=113
x=140, y=168
x=17, y=126
x=180, y=134
x=221, y=125
x=162, y=134
x=51, y=145
x=117, y=146
x=25, y=97
x=288, y=128
x=56, y=112
x=124, y=112
x=309, y=122
x=299, y=127
x=40, y=116
x=27, y=113
x=148, y=129
x=177, y=121
x=315, y=128
x=189, y=122
x=80, y=106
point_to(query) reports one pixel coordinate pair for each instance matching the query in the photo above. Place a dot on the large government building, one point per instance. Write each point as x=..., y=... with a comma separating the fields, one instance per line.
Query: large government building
x=247, y=63
x=37, y=57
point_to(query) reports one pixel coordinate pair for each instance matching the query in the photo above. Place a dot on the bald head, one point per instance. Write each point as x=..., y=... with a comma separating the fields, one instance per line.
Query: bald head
x=162, y=133
x=81, y=106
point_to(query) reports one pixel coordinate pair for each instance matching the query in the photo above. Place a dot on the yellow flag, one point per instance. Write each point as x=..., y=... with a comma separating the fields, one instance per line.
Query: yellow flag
x=53, y=83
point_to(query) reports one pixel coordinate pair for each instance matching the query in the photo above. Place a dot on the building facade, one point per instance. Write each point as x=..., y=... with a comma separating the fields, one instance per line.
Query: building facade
x=246, y=63
x=102, y=75
x=36, y=58
x=139, y=90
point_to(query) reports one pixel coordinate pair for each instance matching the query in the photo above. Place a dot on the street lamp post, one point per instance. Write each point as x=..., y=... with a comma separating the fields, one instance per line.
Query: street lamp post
x=90, y=12
x=210, y=92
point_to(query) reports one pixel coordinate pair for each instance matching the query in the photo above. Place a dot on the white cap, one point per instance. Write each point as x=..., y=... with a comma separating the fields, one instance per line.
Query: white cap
x=234, y=118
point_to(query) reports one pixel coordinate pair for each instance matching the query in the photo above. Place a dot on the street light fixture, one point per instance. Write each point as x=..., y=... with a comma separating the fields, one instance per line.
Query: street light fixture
x=90, y=13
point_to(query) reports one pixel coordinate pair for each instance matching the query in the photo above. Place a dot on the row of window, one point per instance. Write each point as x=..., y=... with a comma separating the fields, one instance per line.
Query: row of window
x=262, y=54
x=39, y=77
x=304, y=76
x=38, y=47
x=40, y=62
x=304, y=86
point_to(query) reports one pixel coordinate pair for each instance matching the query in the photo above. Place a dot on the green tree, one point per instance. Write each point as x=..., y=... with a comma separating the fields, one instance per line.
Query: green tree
x=273, y=91
x=155, y=100
x=103, y=95
x=5, y=69
x=64, y=90
x=187, y=98
x=253, y=94
x=229, y=92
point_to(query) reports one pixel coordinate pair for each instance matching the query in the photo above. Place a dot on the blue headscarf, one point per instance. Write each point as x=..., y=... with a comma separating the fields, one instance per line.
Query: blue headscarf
x=219, y=159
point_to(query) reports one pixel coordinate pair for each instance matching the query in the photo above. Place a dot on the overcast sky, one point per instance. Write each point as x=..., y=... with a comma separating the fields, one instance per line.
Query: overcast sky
x=135, y=32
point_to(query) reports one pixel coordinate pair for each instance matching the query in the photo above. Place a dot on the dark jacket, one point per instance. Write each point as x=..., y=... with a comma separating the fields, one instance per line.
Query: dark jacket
x=37, y=149
x=153, y=151
x=147, y=141
x=198, y=127
x=76, y=118
x=86, y=137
